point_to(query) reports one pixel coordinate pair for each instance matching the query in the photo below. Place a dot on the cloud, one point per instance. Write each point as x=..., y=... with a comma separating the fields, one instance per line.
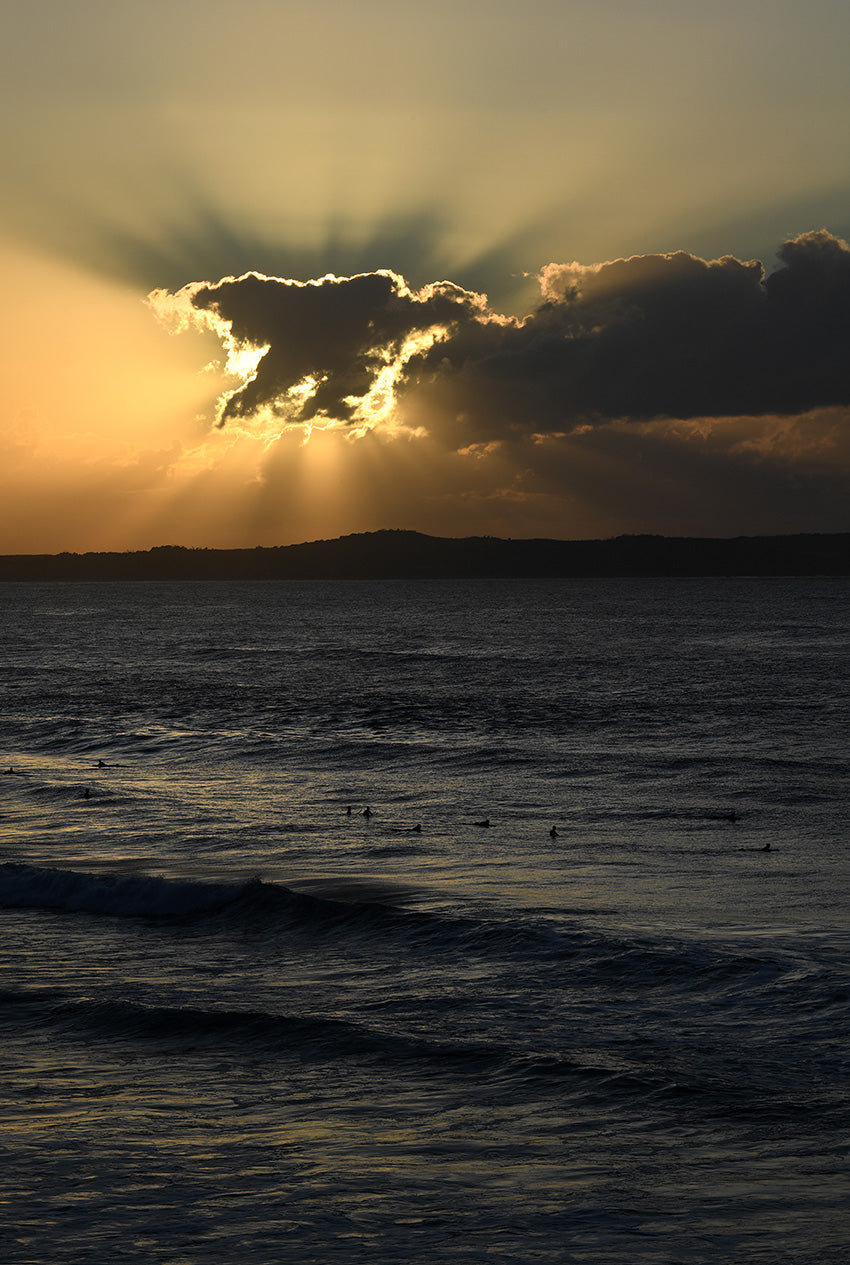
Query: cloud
x=659, y=336
x=317, y=349
x=652, y=336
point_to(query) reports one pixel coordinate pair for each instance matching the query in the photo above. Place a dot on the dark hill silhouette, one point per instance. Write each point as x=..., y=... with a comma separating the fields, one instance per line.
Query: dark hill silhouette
x=411, y=555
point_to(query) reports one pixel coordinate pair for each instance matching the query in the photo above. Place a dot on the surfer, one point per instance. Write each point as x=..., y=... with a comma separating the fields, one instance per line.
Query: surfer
x=417, y=829
x=367, y=812
x=486, y=822
x=553, y=833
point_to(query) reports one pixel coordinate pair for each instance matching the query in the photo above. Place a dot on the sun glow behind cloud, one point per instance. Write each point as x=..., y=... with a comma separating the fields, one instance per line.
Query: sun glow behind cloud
x=343, y=349
x=154, y=146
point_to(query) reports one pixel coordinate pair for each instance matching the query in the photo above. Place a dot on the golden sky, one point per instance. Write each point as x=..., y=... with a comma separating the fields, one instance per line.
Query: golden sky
x=528, y=219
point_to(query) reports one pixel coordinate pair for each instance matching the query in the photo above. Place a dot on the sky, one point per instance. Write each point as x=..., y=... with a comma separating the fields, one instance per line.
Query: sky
x=279, y=272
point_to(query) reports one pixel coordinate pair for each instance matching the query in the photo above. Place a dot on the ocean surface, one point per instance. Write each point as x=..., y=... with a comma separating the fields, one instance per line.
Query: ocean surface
x=240, y=1023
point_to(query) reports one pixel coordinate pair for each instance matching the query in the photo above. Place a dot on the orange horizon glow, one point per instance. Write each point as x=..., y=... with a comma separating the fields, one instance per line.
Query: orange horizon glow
x=161, y=149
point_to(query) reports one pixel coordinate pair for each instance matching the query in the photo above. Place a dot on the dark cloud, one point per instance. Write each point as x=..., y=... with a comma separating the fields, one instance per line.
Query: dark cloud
x=737, y=476
x=651, y=336
x=661, y=336
x=338, y=333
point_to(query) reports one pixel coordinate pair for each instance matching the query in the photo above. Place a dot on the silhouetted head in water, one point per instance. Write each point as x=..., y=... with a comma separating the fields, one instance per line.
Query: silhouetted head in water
x=367, y=812
x=417, y=828
x=553, y=833
x=348, y=811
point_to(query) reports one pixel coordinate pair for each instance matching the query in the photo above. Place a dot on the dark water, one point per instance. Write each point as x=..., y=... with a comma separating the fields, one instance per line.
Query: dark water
x=239, y=1024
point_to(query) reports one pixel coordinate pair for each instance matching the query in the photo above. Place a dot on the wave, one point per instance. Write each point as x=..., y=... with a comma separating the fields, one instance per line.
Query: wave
x=120, y=896
x=569, y=946
x=600, y=1080
x=309, y=1038
x=305, y=1037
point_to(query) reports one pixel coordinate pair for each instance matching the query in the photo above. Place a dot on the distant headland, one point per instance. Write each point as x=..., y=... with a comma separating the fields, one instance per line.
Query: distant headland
x=395, y=554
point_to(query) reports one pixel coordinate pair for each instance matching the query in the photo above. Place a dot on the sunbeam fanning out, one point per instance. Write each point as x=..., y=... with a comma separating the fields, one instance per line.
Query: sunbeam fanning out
x=365, y=220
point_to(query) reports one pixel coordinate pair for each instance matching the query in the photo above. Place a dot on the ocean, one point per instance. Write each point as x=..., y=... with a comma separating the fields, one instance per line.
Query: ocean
x=243, y=1020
